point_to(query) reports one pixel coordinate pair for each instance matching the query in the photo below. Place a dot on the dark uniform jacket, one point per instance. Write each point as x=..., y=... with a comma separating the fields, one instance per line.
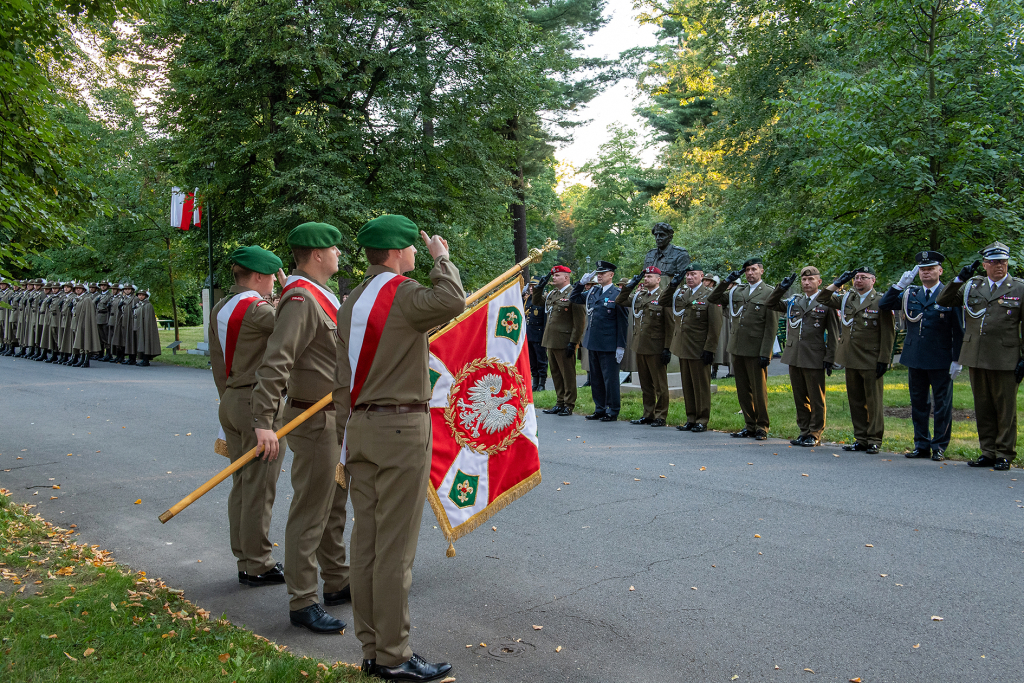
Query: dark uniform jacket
x=866, y=331
x=754, y=324
x=693, y=324
x=811, y=329
x=535, y=318
x=992, y=339
x=608, y=322
x=649, y=320
x=933, y=342
x=565, y=320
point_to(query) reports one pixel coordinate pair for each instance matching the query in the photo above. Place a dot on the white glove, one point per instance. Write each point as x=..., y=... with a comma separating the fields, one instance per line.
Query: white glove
x=589, y=277
x=907, y=279
x=954, y=369
x=619, y=353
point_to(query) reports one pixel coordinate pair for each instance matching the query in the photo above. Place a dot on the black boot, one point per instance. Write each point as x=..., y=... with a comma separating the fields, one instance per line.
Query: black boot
x=106, y=357
x=65, y=359
x=84, y=362
x=78, y=360
x=43, y=353
x=131, y=359
x=52, y=358
x=71, y=361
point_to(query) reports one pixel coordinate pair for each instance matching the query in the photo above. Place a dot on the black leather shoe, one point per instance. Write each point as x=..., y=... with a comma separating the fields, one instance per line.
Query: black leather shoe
x=316, y=620
x=369, y=666
x=1001, y=465
x=685, y=427
x=609, y=418
x=919, y=453
x=593, y=416
x=810, y=442
x=641, y=421
x=552, y=410
x=273, y=575
x=872, y=449
x=761, y=435
x=338, y=597
x=697, y=428
x=983, y=461
x=416, y=669
x=742, y=434
x=564, y=412
x=797, y=442
x=938, y=455
x=855, y=446
x=658, y=422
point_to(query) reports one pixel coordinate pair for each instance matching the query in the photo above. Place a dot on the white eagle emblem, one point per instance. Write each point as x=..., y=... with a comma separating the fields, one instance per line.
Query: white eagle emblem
x=487, y=410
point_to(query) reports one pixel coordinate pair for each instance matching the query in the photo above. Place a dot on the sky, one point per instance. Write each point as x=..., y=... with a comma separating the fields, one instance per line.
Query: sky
x=614, y=105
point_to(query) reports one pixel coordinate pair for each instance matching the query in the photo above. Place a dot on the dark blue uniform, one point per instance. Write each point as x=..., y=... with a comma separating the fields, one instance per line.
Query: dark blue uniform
x=535, y=319
x=605, y=333
x=931, y=346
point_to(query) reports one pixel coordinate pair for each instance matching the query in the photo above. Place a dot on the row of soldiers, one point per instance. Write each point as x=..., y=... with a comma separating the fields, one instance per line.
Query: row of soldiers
x=974, y=321
x=72, y=323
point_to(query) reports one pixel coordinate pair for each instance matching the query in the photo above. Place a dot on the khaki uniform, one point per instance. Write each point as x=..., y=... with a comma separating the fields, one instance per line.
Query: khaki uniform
x=693, y=327
x=388, y=457
x=564, y=326
x=752, y=336
x=5, y=296
x=991, y=349
x=866, y=338
x=254, y=487
x=811, y=332
x=103, y=301
x=65, y=333
x=300, y=359
x=648, y=342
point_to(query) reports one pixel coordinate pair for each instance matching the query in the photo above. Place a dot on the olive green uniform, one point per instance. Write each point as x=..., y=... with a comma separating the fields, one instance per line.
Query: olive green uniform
x=103, y=302
x=388, y=439
x=866, y=336
x=566, y=322
x=693, y=327
x=811, y=332
x=752, y=336
x=300, y=359
x=991, y=349
x=648, y=342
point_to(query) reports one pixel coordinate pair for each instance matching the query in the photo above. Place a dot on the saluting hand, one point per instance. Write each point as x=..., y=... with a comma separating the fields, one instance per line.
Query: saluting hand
x=542, y=283
x=908, y=278
x=967, y=272
x=634, y=281
x=844, y=278
x=733, y=276
x=787, y=282
x=676, y=280
x=281, y=277
x=436, y=245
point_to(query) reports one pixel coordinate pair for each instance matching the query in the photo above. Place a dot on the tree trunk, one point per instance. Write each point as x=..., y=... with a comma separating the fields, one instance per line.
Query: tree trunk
x=518, y=211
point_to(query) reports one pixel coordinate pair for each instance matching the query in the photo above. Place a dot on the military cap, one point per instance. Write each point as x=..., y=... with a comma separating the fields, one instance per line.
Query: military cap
x=314, y=236
x=560, y=269
x=997, y=251
x=752, y=262
x=605, y=267
x=929, y=258
x=256, y=259
x=662, y=226
x=652, y=270
x=388, y=232
x=37, y=281
x=78, y=285
x=711, y=276
x=533, y=281
x=866, y=269
x=623, y=280
x=694, y=266
x=807, y=271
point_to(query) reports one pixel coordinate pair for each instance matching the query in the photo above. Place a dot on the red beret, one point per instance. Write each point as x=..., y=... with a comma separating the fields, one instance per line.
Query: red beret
x=652, y=270
x=560, y=269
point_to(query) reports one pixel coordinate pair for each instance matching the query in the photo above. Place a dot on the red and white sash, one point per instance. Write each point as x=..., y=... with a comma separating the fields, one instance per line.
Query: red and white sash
x=323, y=296
x=369, y=314
x=229, y=322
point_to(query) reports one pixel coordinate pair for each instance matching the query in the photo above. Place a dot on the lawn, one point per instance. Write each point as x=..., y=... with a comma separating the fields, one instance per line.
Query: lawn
x=899, y=432
x=189, y=336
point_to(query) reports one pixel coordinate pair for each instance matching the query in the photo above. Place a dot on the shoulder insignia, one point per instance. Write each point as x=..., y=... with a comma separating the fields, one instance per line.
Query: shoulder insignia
x=297, y=297
x=264, y=301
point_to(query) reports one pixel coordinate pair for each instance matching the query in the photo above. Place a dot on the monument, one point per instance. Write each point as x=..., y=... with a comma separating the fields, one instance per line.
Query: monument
x=666, y=256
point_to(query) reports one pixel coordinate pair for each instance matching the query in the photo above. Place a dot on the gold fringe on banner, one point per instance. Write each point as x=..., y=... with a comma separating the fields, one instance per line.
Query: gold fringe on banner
x=220, y=447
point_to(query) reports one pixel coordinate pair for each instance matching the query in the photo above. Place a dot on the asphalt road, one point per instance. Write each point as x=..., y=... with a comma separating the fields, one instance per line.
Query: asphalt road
x=639, y=554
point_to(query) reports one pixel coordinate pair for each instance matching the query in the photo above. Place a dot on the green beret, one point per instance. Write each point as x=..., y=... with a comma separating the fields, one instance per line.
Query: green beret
x=256, y=259
x=314, y=236
x=388, y=232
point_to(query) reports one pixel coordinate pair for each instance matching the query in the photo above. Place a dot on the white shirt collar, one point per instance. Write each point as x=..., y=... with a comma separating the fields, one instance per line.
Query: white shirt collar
x=997, y=284
x=605, y=288
x=866, y=294
x=756, y=285
x=564, y=288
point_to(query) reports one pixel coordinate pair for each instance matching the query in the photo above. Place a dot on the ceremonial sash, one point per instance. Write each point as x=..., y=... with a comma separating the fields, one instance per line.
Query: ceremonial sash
x=323, y=296
x=229, y=322
x=369, y=314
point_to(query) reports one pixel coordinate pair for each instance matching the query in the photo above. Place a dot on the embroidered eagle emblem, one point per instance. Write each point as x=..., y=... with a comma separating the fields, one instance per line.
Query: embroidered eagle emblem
x=488, y=408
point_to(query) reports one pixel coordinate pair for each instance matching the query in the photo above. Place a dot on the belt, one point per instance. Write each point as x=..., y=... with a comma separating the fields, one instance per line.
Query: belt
x=306, y=405
x=400, y=408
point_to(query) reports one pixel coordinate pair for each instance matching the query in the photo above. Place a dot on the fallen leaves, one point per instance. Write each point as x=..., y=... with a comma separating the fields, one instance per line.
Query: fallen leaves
x=804, y=475
x=73, y=659
x=734, y=677
x=937, y=618
x=662, y=476
x=702, y=468
x=138, y=502
x=494, y=528
x=88, y=651
x=757, y=535
x=537, y=628
x=855, y=680
x=809, y=670
x=868, y=545
x=223, y=658
x=169, y=634
x=632, y=588
x=113, y=607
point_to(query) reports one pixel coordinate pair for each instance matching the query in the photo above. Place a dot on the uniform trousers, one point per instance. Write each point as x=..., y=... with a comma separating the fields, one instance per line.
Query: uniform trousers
x=253, y=488
x=389, y=465
x=864, y=391
x=751, y=390
x=604, y=383
x=563, y=374
x=995, y=407
x=696, y=380
x=653, y=385
x=941, y=386
x=538, y=360
x=317, y=504
x=809, y=396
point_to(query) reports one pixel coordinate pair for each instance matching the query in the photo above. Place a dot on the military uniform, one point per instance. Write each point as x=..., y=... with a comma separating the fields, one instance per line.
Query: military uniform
x=692, y=333
x=866, y=337
x=563, y=327
x=754, y=326
x=535, y=319
x=65, y=333
x=146, y=330
x=103, y=302
x=51, y=323
x=5, y=296
x=85, y=338
x=605, y=342
x=650, y=346
x=992, y=350
x=811, y=332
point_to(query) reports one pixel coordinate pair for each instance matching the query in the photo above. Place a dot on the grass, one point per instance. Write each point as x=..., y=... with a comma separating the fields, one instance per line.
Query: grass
x=899, y=432
x=189, y=336
x=69, y=612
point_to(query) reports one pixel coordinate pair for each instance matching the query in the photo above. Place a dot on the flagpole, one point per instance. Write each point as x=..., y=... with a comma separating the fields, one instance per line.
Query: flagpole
x=535, y=256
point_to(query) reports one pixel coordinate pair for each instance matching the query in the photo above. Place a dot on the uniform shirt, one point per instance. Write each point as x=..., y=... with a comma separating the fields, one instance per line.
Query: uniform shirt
x=866, y=331
x=992, y=322
x=933, y=342
x=535, y=318
x=251, y=344
x=565, y=320
x=608, y=323
x=753, y=325
x=693, y=323
x=812, y=329
x=648, y=319
x=399, y=373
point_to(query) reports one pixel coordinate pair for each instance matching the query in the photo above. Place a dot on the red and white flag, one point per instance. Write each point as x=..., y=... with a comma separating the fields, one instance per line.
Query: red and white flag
x=185, y=212
x=485, y=452
x=325, y=297
x=229, y=322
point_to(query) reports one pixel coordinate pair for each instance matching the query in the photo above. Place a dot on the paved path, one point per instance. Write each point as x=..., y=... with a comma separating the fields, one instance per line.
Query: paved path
x=852, y=562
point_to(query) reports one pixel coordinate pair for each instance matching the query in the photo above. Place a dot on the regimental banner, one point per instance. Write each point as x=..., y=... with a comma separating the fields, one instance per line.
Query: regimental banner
x=484, y=424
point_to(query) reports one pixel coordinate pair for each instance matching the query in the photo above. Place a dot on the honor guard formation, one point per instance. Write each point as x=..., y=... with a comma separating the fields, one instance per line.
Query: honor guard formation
x=61, y=322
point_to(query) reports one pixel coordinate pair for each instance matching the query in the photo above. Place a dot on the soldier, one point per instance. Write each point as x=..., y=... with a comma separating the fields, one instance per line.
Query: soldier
x=753, y=326
x=300, y=360
x=103, y=300
x=992, y=350
x=127, y=323
x=605, y=342
x=65, y=334
x=930, y=352
x=810, y=350
x=51, y=322
x=5, y=295
x=146, y=330
x=535, y=318
x=692, y=332
x=35, y=319
x=652, y=354
x=12, y=318
x=240, y=325
x=865, y=349
x=388, y=434
x=42, y=346
x=85, y=337
x=563, y=330
x=114, y=323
